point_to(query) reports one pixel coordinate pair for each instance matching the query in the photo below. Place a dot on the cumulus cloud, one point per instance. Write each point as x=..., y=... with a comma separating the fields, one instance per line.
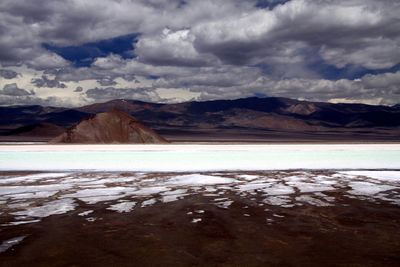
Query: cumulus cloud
x=106, y=81
x=44, y=81
x=35, y=100
x=46, y=60
x=25, y=26
x=171, y=48
x=217, y=48
x=78, y=89
x=343, y=32
x=12, y=89
x=110, y=93
x=372, y=89
x=346, y=32
x=8, y=74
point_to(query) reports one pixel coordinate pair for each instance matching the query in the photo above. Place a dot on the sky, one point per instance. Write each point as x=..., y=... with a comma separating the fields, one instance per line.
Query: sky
x=77, y=52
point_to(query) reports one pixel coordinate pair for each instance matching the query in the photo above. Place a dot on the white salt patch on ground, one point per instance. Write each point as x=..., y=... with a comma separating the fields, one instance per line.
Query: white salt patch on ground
x=252, y=186
x=283, y=201
x=295, y=178
x=148, y=202
x=172, y=198
x=224, y=187
x=394, y=200
x=98, y=192
x=91, y=219
x=196, y=220
x=325, y=197
x=31, y=191
x=81, y=181
x=85, y=213
x=210, y=189
x=308, y=184
x=10, y=242
x=31, y=177
x=122, y=207
x=174, y=195
x=150, y=190
x=278, y=189
x=248, y=177
x=312, y=201
x=20, y=222
x=114, y=180
x=322, y=179
x=199, y=179
x=44, y=194
x=174, y=192
x=221, y=199
x=368, y=189
x=97, y=199
x=199, y=211
x=224, y=204
x=60, y=206
x=19, y=205
x=391, y=176
x=92, y=196
x=311, y=187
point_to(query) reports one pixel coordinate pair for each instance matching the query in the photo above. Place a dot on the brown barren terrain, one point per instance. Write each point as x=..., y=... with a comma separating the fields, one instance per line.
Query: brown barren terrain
x=194, y=231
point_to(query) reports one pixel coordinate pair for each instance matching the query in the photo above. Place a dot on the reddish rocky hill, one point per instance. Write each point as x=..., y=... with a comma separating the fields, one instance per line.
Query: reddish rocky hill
x=109, y=127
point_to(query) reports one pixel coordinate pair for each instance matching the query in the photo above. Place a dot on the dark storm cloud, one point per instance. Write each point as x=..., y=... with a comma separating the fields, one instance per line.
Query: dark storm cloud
x=354, y=32
x=312, y=49
x=12, y=89
x=8, y=74
x=20, y=100
x=106, y=81
x=363, y=33
x=44, y=81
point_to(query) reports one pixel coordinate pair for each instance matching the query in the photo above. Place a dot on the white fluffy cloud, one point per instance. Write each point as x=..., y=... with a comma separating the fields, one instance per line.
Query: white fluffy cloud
x=172, y=48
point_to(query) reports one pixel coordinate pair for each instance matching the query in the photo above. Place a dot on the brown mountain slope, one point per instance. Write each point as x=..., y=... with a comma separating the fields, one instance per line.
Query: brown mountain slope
x=109, y=127
x=269, y=121
x=130, y=106
x=38, y=129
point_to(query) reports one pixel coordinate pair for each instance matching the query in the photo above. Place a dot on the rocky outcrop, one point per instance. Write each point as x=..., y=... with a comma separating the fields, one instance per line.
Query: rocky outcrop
x=108, y=128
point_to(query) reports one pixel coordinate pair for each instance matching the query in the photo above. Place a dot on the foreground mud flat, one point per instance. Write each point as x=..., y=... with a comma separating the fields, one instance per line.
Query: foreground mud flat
x=272, y=218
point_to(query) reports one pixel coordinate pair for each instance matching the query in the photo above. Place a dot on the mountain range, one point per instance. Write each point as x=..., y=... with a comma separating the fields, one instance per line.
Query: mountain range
x=248, y=119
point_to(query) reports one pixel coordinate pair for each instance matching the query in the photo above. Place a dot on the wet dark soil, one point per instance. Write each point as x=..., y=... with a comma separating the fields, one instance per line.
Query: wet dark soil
x=351, y=233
